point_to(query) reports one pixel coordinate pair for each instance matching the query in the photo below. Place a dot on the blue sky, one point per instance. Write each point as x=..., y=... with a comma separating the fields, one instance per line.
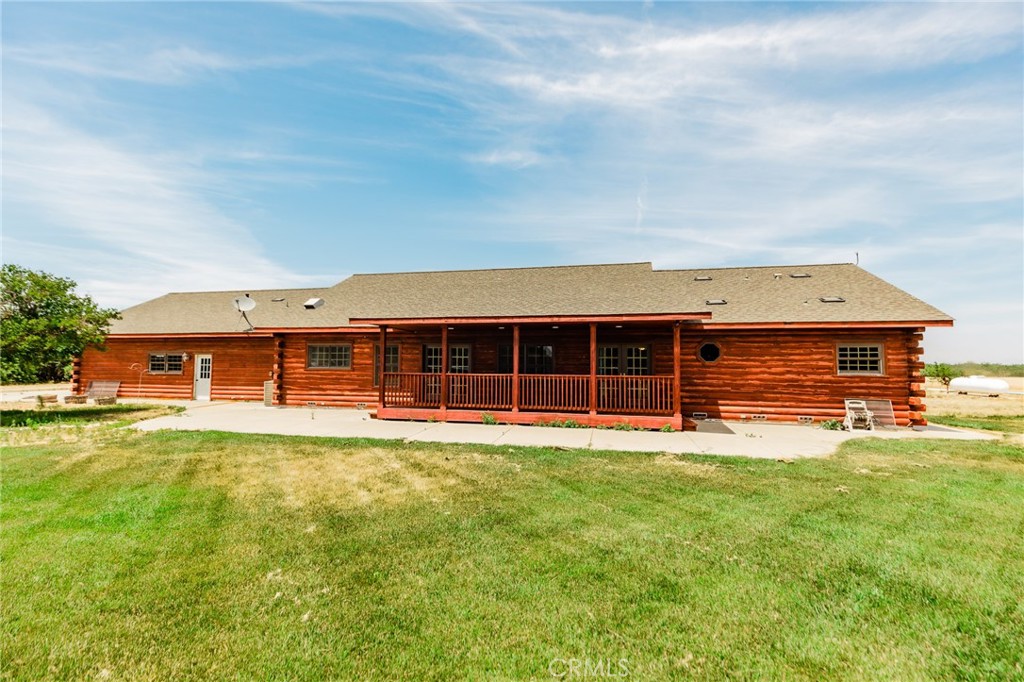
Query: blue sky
x=154, y=147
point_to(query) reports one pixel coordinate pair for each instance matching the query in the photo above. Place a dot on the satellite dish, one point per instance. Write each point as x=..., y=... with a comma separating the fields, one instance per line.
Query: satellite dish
x=244, y=304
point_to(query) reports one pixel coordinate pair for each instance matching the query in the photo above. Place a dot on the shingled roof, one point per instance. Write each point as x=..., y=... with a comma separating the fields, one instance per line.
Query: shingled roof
x=754, y=295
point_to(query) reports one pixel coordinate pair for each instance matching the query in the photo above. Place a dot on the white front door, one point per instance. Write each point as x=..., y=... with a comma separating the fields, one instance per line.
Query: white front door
x=204, y=370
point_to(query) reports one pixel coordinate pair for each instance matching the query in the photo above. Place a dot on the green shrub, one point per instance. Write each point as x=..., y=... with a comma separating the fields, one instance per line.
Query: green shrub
x=488, y=419
x=667, y=428
x=832, y=425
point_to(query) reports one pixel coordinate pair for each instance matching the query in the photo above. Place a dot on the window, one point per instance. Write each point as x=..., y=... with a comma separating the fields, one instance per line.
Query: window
x=165, y=363
x=538, y=359
x=709, y=352
x=859, y=359
x=608, y=360
x=391, y=361
x=329, y=357
x=432, y=359
x=533, y=359
x=638, y=360
x=630, y=360
x=458, y=359
x=504, y=358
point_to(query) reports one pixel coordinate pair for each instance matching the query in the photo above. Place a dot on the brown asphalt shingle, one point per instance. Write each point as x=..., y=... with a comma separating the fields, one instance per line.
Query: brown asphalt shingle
x=753, y=295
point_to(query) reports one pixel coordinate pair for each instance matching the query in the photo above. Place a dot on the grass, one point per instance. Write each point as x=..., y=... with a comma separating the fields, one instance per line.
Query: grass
x=177, y=555
x=119, y=415
x=1004, y=423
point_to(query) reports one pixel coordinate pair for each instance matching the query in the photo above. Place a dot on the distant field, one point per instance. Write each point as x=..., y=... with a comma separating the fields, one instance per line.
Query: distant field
x=162, y=556
x=989, y=369
x=941, y=402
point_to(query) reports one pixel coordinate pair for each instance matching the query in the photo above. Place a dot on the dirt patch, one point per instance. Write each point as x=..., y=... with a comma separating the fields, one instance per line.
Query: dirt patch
x=689, y=467
x=351, y=478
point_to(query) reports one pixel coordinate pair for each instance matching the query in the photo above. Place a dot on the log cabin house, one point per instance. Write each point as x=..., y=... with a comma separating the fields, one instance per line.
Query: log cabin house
x=600, y=344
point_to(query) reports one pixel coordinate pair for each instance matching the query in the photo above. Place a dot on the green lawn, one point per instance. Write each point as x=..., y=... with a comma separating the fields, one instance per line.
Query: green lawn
x=1005, y=423
x=118, y=415
x=213, y=556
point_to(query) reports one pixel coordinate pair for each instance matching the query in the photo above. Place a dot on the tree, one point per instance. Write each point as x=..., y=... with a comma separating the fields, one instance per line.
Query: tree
x=942, y=372
x=44, y=325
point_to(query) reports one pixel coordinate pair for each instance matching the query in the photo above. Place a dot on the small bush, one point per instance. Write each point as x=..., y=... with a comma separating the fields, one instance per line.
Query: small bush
x=667, y=428
x=832, y=425
x=488, y=419
x=624, y=426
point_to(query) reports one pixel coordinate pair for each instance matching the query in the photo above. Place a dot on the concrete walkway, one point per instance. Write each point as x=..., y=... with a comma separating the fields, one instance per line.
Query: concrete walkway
x=750, y=440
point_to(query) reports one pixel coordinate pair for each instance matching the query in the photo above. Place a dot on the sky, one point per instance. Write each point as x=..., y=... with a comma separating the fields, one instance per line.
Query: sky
x=155, y=147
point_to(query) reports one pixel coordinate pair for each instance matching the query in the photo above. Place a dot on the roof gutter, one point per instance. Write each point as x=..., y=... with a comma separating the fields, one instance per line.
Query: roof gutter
x=534, y=319
x=829, y=325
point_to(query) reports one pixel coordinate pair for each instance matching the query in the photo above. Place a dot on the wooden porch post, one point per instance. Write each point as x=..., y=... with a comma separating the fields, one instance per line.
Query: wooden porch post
x=677, y=391
x=515, y=368
x=444, y=370
x=383, y=357
x=593, y=368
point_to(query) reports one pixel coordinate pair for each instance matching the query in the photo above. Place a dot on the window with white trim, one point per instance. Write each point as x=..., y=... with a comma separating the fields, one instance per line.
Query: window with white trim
x=859, y=358
x=630, y=360
x=329, y=357
x=459, y=359
x=165, y=363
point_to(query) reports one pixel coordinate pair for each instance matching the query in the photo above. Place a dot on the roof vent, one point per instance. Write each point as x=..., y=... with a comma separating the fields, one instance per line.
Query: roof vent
x=715, y=301
x=313, y=303
x=702, y=278
x=799, y=275
x=832, y=299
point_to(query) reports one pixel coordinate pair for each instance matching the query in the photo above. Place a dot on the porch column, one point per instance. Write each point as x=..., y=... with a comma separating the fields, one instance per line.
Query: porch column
x=593, y=368
x=383, y=355
x=444, y=369
x=677, y=396
x=515, y=368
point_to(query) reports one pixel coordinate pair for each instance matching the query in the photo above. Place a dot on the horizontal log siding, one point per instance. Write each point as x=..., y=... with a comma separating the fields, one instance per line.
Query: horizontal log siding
x=779, y=373
x=785, y=374
x=240, y=366
x=330, y=387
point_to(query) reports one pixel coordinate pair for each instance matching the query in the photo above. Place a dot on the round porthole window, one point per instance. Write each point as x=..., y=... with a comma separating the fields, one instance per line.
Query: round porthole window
x=709, y=352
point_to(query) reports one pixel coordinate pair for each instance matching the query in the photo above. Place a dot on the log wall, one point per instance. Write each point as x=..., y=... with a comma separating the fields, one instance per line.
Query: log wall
x=785, y=374
x=781, y=374
x=240, y=366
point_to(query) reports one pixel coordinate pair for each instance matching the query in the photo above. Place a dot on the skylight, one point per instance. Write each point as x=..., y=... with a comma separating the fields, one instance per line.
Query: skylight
x=715, y=301
x=832, y=299
x=799, y=275
x=702, y=278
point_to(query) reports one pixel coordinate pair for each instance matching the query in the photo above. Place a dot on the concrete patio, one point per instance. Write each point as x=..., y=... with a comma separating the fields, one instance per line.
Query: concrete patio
x=747, y=439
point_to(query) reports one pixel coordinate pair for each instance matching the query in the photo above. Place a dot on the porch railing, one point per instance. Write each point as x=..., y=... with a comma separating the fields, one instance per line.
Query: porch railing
x=480, y=391
x=408, y=389
x=554, y=392
x=634, y=394
x=537, y=392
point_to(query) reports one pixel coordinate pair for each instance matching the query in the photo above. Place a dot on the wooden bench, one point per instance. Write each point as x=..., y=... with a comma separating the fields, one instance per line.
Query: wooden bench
x=103, y=392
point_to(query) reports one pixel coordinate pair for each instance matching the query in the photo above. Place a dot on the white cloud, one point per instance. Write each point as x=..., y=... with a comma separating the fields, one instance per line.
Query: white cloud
x=514, y=158
x=173, y=64
x=129, y=217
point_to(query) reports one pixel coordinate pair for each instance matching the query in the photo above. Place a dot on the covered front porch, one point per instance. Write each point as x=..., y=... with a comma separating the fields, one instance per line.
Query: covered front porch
x=594, y=371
